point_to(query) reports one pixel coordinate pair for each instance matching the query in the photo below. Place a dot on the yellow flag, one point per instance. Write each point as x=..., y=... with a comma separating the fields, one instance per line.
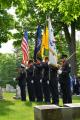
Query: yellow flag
x=45, y=43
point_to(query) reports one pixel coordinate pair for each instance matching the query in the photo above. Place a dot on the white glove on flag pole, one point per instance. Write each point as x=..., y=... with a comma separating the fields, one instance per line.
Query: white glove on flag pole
x=52, y=46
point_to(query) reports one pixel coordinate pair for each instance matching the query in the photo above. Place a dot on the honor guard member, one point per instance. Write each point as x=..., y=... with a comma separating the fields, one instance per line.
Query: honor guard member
x=53, y=84
x=64, y=79
x=38, y=80
x=30, y=81
x=45, y=80
x=22, y=82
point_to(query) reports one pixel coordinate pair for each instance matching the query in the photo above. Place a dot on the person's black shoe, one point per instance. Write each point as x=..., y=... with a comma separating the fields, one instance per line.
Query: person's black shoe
x=23, y=100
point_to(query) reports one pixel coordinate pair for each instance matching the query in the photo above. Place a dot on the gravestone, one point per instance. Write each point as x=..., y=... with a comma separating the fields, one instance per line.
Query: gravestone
x=18, y=93
x=1, y=93
x=52, y=112
x=3, y=90
x=7, y=87
x=10, y=88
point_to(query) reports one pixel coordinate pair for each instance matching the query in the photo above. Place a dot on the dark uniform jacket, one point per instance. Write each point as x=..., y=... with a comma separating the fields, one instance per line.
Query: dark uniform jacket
x=37, y=71
x=29, y=75
x=45, y=72
x=53, y=72
x=64, y=76
x=22, y=79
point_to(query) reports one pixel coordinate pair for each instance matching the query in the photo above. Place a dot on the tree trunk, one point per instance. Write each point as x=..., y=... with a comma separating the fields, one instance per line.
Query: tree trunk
x=73, y=49
x=70, y=38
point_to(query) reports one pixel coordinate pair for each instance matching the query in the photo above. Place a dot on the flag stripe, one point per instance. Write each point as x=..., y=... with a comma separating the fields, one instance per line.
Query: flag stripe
x=25, y=48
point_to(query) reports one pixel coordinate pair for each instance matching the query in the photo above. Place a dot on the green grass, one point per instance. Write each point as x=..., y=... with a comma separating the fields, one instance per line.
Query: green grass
x=11, y=109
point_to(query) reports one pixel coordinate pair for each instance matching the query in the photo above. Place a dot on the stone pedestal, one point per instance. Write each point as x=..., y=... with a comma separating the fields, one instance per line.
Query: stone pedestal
x=1, y=94
x=51, y=112
x=73, y=105
x=44, y=112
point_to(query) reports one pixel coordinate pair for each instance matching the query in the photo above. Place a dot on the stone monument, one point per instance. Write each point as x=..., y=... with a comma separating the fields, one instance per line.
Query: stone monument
x=53, y=112
x=18, y=93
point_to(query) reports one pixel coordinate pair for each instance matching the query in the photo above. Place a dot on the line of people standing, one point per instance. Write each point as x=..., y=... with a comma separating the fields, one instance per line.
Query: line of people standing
x=42, y=82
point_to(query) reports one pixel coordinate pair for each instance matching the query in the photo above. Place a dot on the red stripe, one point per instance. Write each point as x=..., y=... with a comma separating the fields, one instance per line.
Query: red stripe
x=25, y=50
x=24, y=43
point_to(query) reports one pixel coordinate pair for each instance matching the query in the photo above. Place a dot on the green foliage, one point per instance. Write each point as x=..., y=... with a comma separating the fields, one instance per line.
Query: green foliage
x=8, y=68
x=7, y=21
x=47, y=5
x=5, y=4
x=61, y=43
x=68, y=9
x=78, y=57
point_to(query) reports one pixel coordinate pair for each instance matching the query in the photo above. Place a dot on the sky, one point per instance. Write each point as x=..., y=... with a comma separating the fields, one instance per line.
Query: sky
x=7, y=47
x=77, y=35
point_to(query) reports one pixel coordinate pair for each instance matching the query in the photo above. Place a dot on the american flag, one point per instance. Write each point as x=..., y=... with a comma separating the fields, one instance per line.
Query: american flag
x=25, y=48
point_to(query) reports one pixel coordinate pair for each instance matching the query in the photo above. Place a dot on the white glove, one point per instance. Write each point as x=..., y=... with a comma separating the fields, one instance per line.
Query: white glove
x=40, y=80
x=32, y=81
x=48, y=82
x=59, y=71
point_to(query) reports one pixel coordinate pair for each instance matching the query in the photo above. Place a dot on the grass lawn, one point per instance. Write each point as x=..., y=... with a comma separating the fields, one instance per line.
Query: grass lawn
x=11, y=109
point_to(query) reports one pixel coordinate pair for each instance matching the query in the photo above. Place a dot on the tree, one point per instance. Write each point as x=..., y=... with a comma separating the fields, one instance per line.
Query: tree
x=8, y=68
x=65, y=14
x=7, y=21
